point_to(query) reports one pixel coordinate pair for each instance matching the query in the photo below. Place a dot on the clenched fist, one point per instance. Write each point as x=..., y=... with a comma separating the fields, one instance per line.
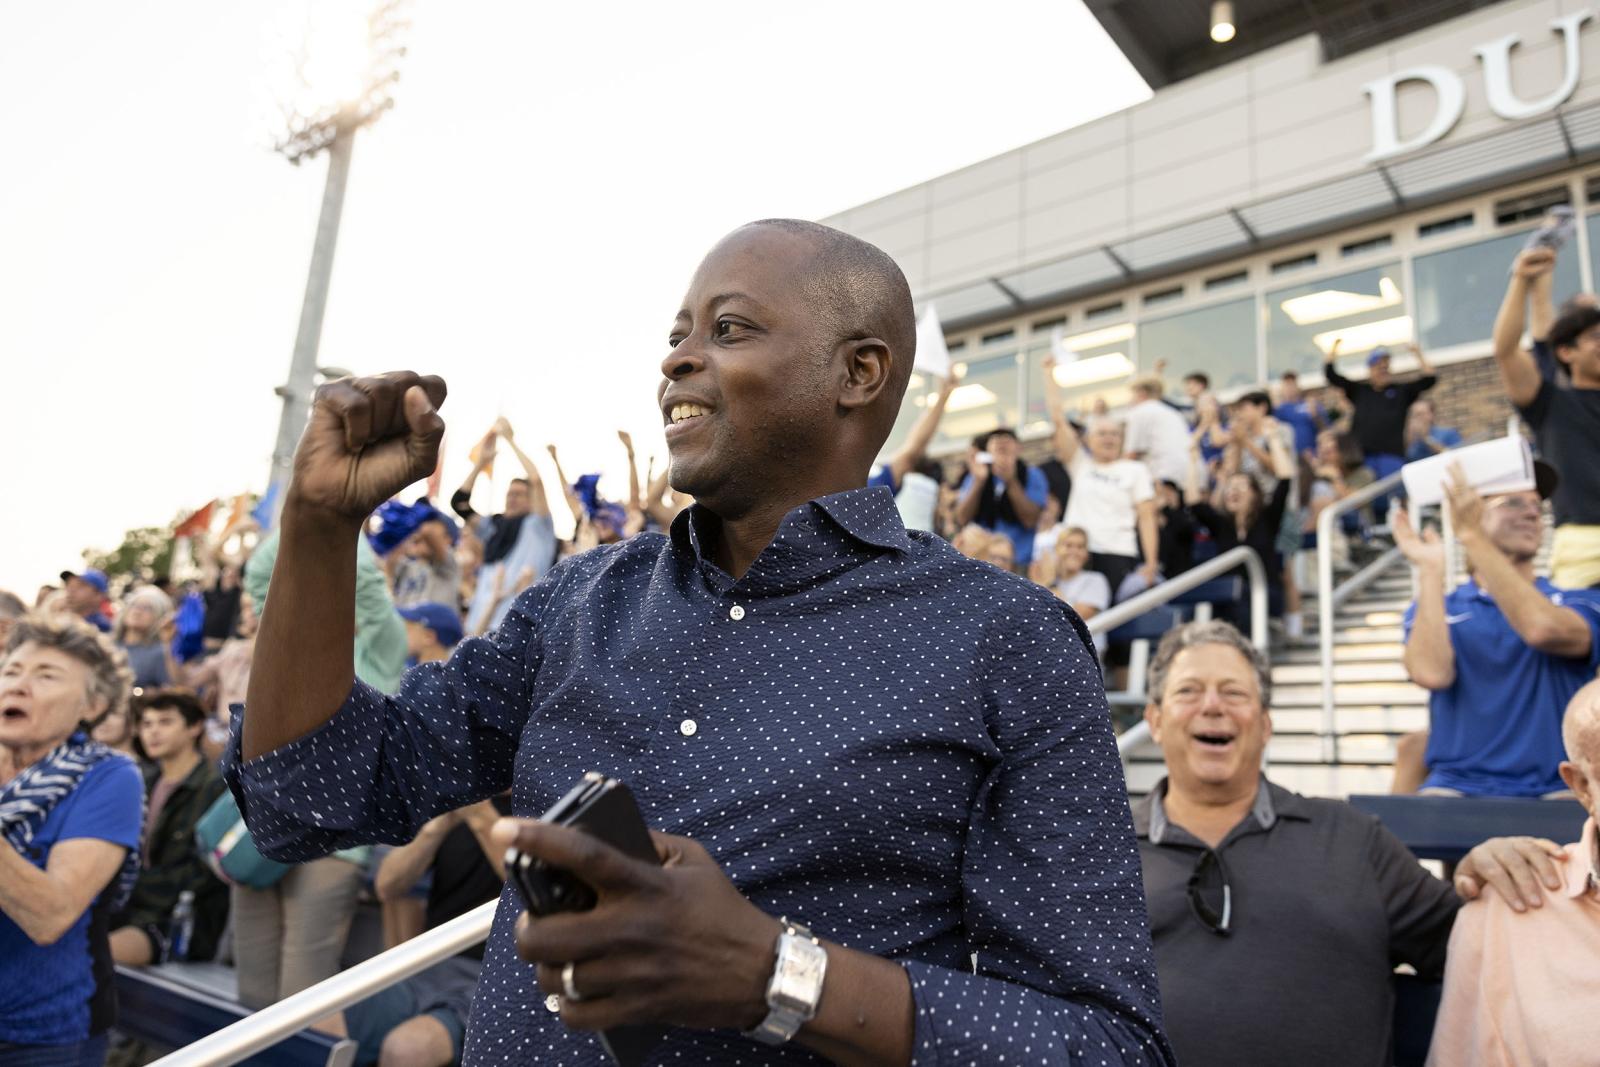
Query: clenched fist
x=367, y=439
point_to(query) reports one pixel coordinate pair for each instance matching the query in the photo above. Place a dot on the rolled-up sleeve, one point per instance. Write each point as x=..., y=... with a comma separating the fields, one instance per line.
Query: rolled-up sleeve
x=1052, y=896
x=384, y=765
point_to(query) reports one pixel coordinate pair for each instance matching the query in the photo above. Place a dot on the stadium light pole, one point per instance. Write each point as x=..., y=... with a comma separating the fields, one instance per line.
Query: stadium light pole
x=325, y=117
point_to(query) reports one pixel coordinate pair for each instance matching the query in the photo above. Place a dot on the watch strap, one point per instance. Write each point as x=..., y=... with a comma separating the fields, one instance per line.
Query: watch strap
x=785, y=1016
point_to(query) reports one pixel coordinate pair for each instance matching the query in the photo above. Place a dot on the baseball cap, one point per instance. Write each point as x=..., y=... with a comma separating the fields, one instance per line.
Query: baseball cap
x=1376, y=354
x=96, y=578
x=442, y=619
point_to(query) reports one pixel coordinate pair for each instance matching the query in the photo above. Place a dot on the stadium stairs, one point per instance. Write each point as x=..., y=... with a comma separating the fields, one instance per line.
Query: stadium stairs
x=1376, y=703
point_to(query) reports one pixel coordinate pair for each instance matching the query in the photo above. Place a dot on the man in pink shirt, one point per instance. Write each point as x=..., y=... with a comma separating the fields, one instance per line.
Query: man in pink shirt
x=1521, y=989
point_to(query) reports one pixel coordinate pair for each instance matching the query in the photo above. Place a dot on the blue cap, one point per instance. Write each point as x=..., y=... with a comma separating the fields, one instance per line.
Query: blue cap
x=96, y=578
x=442, y=619
x=1376, y=354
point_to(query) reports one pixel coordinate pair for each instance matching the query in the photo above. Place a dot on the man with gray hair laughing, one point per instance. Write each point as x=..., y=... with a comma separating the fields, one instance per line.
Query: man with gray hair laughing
x=1270, y=895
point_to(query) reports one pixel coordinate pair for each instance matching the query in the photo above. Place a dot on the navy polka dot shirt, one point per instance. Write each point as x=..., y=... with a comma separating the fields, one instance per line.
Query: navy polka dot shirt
x=903, y=748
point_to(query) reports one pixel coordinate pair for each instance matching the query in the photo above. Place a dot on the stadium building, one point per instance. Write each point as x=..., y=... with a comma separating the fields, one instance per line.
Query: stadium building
x=1347, y=170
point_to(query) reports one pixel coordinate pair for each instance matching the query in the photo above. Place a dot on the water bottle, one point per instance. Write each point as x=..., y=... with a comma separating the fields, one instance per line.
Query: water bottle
x=180, y=928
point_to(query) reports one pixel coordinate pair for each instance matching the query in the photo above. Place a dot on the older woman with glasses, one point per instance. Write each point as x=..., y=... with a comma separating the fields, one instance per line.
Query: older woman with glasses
x=1299, y=908
x=70, y=816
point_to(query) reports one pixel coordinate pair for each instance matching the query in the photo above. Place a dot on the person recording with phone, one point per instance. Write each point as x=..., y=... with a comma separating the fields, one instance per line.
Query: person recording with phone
x=841, y=732
x=1002, y=493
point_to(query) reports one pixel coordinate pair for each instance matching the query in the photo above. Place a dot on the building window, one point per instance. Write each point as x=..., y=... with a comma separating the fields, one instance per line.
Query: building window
x=1224, y=281
x=999, y=337
x=1163, y=296
x=1103, y=366
x=1459, y=289
x=1360, y=310
x=1371, y=244
x=1102, y=311
x=1529, y=207
x=1219, y=340
x=1047, y=325
x=1449, y=225
x=1284, y=266
x=985, y=399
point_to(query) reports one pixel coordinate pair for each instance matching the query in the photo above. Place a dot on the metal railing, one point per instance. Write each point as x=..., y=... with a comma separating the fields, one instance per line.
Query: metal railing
x=1171, y=589
x=1330, y=597
x=267, y=1027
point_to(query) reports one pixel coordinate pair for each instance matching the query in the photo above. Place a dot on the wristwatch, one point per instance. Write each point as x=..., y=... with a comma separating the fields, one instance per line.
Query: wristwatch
x=795, y=988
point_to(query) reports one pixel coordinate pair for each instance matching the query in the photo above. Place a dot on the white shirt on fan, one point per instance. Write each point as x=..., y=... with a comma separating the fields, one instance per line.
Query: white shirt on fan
x=1159, y=434
x=1104, y=502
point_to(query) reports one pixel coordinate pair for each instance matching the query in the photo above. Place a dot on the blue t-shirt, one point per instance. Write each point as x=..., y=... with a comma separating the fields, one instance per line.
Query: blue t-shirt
x=884, y=476
x=1301, y=417
x=45, y=990
x=1497, y=730
x=1036, y=489
x=1448, y=436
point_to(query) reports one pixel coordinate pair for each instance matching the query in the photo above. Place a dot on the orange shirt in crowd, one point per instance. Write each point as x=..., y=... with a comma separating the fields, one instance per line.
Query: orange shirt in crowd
x=1521, y=990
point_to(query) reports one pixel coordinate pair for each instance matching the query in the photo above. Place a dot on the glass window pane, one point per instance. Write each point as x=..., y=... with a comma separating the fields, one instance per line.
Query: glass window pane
x=985, y=399
x=1104, y=368
x=1459, y=290
x=1219, y=340
x=1363, y=308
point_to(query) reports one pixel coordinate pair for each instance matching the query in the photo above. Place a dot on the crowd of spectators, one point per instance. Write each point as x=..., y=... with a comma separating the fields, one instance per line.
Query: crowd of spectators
x=124, y=699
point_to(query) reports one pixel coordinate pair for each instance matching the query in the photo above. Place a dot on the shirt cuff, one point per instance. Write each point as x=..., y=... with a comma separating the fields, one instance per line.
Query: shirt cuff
x=303, y=799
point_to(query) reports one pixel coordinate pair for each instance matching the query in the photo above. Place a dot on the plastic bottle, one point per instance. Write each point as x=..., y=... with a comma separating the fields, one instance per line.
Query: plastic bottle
x=180, y=928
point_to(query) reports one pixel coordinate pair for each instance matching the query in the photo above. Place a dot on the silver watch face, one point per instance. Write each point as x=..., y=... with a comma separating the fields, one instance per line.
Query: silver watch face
x=799, y=975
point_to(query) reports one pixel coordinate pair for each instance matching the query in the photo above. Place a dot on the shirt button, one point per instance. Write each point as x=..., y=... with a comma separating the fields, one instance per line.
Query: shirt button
x=687, y=727
x=736, y=613
x=553, y=1003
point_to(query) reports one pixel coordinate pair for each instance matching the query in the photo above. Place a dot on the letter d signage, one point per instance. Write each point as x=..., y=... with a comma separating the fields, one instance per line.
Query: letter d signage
x=1450, y=93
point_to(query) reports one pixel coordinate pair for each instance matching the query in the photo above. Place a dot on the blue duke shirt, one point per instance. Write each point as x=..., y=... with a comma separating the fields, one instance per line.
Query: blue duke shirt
x=1496, y=731
x=905, y=749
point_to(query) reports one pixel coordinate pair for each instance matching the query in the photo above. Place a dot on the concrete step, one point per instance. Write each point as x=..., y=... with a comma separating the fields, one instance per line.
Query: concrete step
x=1349, y=693
x=1390, y=669
x=1373, y=750
x=1313, y=781
x=1364, y=719
x=1378, y=652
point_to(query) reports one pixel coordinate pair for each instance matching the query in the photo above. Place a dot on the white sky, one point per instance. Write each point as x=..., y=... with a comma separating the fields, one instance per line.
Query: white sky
x=524, y=222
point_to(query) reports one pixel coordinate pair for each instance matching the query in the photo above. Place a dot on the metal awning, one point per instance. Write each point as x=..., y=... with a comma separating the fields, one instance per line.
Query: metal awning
x=1433, y=174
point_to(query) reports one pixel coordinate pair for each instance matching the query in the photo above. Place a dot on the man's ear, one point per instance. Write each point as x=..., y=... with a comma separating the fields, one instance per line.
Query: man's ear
x=1152, y=719
x=867, y=365
x=1564, y=354
x=1580, y=784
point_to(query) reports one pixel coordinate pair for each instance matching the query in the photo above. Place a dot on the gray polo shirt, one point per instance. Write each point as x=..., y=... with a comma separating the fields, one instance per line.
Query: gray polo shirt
x=1326, y=902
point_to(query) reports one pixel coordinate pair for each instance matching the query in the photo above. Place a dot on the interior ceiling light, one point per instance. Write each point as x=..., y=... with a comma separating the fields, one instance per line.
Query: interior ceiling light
x=1327, y=304
x=1109, y=335
x=965, y=397
x=1094, y=369
x=1367, y=336
x=1222, y=21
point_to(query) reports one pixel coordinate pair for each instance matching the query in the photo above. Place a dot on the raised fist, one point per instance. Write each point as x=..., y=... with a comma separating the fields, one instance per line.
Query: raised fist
x=367, y=439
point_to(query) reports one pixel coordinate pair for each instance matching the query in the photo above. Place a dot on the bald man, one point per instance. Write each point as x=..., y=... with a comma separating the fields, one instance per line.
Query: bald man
x=1522, y=988
x=850, y=734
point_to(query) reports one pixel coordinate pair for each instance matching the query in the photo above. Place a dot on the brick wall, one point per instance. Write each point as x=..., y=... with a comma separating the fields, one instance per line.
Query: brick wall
x=1470, y=398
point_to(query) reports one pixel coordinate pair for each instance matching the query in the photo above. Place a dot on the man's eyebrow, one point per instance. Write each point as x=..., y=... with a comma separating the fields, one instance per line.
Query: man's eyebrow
x=726, y=298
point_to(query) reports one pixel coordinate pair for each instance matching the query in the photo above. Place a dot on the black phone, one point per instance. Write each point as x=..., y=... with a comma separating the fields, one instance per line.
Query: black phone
x=605, y=808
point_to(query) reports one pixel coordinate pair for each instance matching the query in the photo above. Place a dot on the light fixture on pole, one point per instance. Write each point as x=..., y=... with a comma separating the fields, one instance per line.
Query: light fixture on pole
x=1222, y=27
x=343, y=80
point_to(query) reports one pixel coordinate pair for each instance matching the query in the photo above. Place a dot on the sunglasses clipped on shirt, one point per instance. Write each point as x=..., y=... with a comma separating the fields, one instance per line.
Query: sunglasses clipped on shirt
x=1211, y=894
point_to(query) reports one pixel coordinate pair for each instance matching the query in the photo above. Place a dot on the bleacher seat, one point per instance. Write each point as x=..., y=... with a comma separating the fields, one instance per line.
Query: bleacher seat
x=170, y=1008
x=1447, y=828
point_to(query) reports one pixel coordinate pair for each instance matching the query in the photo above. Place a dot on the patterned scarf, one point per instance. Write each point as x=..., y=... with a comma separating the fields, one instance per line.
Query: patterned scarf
x=27, y=800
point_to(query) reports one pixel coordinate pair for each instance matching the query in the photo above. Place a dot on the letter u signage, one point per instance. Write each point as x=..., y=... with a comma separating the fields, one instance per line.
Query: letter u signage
x=1450, y=92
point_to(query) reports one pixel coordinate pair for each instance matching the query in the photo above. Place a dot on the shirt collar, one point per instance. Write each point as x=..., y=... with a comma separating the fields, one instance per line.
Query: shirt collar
x=827, y=527
x=1272, y=803
x=1582, y=876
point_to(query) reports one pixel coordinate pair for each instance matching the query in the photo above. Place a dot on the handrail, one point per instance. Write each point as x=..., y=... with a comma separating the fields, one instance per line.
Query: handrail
x=1172, y=588
x=270, y=1025
x=1326, y=594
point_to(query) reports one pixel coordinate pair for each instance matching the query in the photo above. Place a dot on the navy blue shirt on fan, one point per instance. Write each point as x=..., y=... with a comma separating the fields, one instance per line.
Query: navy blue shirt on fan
x=905, y=749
